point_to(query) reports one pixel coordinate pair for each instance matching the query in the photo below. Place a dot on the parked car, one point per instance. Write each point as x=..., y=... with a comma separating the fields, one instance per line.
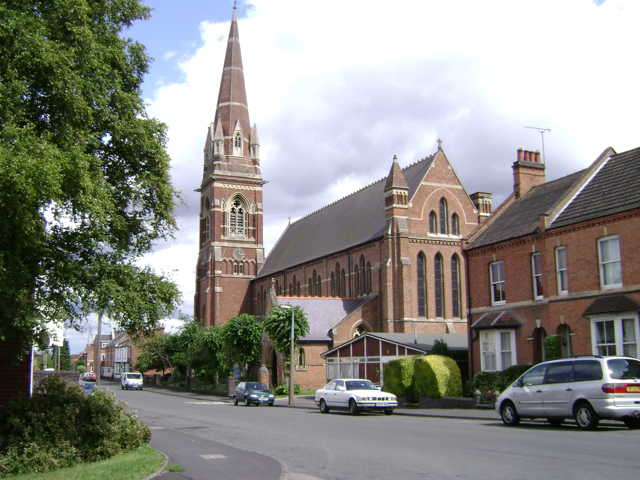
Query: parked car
x=87, y=388
x=131, y=380
x=253, y=393
x=89, y=377
x=355, y=395
x=586, y=388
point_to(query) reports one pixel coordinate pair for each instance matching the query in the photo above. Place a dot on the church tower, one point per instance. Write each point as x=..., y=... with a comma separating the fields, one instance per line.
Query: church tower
x=231, y=248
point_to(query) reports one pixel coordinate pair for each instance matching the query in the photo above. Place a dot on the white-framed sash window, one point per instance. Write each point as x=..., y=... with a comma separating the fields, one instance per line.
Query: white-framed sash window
x=615, y=335
x=561, y=270
x=498, y=349
x=610, y=265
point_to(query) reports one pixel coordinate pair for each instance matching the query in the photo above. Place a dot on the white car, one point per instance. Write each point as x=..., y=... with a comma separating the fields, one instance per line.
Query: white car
x=131, y=380
x=355, y=395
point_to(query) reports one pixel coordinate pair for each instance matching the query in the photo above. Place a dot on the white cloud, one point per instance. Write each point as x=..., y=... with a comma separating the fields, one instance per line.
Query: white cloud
x=338, y=88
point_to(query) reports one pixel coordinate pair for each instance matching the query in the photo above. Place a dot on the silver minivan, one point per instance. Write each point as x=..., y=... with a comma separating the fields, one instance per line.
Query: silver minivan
x=586, y=388
x=131, y=380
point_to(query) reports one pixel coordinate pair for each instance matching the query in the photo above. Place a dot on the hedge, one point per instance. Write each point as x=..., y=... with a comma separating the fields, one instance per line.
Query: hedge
x=486, y=382
x=398, y=377
x=437, y=376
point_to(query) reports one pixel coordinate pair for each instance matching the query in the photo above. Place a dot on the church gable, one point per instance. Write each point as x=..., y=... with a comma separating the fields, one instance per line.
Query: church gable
x=441, y=205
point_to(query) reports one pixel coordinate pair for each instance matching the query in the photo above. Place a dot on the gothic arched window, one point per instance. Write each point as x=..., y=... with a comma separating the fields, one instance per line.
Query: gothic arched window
x=422, y=286
x=238, y=140
x=455, y=225
x=433, y=223
x=333, y=284
x=369, y=287
x=443, y=216
x=455, y=286
x=438, y=283
x=343, y=285
x=237, y=219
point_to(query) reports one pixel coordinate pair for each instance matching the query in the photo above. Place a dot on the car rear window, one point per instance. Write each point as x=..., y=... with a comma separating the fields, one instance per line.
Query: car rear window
x=623, y=368
x=587, y=370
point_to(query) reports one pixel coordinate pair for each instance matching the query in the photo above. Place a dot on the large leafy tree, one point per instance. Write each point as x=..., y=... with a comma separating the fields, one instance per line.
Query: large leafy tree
x=156, y=353
x=85, y=189
x=242, y=337
x=278, y=327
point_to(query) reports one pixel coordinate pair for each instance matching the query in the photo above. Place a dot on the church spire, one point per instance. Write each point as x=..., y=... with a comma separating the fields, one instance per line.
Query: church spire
x=232, y=108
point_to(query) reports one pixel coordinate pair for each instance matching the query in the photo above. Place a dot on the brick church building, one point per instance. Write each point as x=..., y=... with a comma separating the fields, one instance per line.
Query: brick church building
x=387, y=258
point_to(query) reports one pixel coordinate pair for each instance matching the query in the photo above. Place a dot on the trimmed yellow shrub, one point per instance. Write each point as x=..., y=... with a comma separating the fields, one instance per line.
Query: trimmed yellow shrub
x=398, y=377
x=436, y=376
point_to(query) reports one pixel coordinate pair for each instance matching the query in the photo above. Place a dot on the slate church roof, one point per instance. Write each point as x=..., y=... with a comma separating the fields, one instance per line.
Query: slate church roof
x=353, y=220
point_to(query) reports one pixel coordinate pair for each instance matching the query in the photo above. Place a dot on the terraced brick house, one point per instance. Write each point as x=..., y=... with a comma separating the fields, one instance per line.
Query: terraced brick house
x=559, y=258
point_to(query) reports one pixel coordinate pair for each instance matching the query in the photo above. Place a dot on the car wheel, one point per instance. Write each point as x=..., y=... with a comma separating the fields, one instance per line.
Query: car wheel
x=353, y=407
x=509, y=414
x=555, y=422
x=586, y=417
x=246, y=401
x=388, y=411
x=632, y=423
x=121, y=387
x=235, y=400
x=323, y=406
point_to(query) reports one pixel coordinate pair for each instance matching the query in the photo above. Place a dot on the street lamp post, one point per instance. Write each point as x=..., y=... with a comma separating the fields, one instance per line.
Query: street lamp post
x=291, y=367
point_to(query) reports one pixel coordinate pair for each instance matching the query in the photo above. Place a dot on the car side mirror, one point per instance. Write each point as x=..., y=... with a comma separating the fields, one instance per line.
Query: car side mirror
x=342, y=389
x=518, y=383
x=379, y=388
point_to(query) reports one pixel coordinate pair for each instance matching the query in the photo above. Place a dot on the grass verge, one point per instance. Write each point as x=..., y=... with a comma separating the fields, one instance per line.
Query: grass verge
x=134, y=465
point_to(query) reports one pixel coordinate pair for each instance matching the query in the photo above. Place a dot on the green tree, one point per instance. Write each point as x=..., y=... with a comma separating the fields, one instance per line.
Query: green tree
x=65, y=358
x=156, y=353
x=440, y=347
x=242, y=338
x=278, y=327
x=85, y=188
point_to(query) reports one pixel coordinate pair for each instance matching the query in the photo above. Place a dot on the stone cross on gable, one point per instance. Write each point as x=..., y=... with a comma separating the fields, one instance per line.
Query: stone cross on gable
x=439, y=143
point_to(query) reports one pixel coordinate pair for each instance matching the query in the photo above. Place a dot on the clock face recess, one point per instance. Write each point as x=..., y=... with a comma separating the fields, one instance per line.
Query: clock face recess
x=238, y=254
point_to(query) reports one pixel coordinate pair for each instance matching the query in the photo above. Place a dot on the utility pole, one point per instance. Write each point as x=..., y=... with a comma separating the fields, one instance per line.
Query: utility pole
x=97, y=350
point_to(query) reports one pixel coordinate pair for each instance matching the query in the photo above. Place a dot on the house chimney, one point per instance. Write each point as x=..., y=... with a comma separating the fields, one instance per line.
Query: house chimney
x=528, y=172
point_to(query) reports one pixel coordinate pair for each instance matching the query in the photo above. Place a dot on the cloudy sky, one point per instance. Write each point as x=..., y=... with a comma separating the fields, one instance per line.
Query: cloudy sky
x=337, y=88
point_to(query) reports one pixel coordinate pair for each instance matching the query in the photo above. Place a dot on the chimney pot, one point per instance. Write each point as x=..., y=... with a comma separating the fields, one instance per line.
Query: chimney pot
x=520, y=154
x=526, y=156
x=538, y=156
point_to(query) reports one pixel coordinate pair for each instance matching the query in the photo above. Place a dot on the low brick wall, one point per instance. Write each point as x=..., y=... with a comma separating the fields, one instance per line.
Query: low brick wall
x=70, y=377
x=447, y=402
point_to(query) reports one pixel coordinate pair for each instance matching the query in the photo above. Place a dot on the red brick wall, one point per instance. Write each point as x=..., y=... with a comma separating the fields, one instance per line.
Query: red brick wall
x=581, y=243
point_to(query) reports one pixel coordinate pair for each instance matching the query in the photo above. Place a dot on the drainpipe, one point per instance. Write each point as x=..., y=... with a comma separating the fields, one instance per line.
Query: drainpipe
x=469, y=339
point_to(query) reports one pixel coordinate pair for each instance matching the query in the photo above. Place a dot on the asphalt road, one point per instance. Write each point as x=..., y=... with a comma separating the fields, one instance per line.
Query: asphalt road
x=374, y=446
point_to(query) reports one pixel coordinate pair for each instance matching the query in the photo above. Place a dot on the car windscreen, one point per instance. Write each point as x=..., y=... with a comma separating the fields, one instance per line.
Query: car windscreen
x=134, y=376
x=257, y=387
x=623, y=368
x=360, y=385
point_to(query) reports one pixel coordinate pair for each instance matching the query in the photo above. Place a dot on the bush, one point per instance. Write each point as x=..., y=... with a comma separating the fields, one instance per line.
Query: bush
x=551, y=347
x=437, y=376
x=495, y=381
x=60, y=426
x=284, y=389
x=398, y=377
